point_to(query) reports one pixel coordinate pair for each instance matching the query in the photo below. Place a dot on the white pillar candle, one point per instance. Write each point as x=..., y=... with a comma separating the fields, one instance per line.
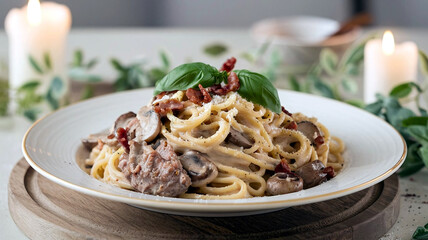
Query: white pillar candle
x=38, y=30
x=387, y=65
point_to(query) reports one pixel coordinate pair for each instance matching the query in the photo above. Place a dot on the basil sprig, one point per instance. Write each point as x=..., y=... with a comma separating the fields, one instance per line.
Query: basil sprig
x=190, y=75
x=254, y=86
x=258, y=89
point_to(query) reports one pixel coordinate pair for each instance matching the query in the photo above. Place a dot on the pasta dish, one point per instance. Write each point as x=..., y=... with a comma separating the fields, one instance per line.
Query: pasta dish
x=214, y=140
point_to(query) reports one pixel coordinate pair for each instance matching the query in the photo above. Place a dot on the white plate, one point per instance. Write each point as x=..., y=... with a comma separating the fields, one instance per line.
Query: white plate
x=374, y=150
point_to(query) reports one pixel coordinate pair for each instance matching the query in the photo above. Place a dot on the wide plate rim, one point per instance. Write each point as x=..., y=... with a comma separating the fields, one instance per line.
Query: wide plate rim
x=219, y=205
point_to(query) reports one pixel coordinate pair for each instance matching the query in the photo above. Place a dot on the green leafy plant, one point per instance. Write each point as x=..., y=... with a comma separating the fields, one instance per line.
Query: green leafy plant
x=4, y=97
x=215, y=49
x=80, y=72
x=421, y=233
x=29, y=96
x=413, y=126
x=136, y=76
x=332, y=76
x=28, y=99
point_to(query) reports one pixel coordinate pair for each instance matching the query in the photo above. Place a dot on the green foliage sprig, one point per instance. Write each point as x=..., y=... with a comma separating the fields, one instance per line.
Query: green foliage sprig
x=413, y=126
x=80, y=71
x=136, y=76
x=332, y=76
x=421, y=233
x=29, y=96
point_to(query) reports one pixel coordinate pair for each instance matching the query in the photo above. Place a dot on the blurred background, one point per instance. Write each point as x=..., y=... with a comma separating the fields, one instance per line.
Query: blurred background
x=229, y=13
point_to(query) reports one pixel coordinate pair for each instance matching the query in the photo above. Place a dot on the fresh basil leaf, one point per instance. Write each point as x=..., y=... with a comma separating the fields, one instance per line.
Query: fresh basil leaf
x=190, y=75
x=422, y=121
x=401, y=91
x=36, y=67
x=215, y=49
x=258, y=89
x=328, y=61
x=423, y=59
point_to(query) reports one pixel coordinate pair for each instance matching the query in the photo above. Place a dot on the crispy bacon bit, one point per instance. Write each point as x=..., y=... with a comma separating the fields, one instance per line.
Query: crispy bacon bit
x=329, y=171
x=292, y=126
x=168, y=105
x=195, y=96
x=283, y=167
x=228, y=65
x=207, y=96
x=319, y=140
x=285, y=111
x=122, y=138
x=232, y=85
x=198, y=96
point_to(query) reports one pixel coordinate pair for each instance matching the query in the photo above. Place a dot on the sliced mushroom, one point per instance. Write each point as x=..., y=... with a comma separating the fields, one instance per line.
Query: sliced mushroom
x=239, y=138
x=201, y=170
x=312, y=174
x=122, y=121
x=92, y=140
x=282, y=183
x=150, y=124
x=309, y=129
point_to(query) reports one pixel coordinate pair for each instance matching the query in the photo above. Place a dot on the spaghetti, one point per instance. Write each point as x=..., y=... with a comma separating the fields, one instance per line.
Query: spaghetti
x=242, y=170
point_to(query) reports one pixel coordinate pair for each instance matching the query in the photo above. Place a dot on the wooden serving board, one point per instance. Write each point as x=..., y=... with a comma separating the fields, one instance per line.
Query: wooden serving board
x=45, y=210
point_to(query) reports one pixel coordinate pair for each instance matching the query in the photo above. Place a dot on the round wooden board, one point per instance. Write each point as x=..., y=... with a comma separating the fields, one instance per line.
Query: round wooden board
x=45, y=210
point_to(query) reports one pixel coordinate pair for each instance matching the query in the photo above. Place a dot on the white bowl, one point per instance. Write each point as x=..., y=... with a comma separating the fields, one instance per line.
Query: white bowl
x=374, y=150
x=301, y=38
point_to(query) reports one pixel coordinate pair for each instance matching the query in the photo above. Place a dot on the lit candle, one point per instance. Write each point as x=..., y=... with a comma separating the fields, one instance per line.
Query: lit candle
x=387, y=65
x=37, y=38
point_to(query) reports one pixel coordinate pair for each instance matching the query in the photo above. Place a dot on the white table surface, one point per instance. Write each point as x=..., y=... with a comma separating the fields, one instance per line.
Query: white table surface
x=183, y=45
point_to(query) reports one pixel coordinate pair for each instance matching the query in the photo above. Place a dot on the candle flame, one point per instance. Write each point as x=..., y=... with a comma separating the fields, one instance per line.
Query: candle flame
x=34, y=12
x=388, y=44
